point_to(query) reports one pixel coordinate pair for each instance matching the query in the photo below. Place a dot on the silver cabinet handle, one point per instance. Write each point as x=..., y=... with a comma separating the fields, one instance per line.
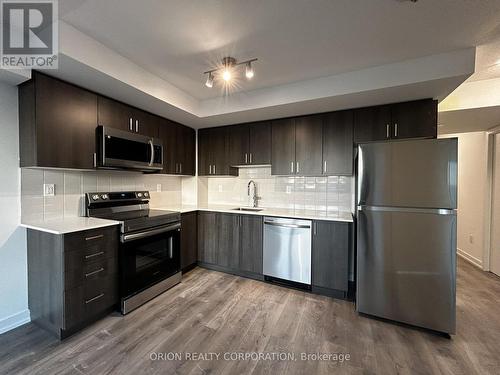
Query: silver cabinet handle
x=396, y=129
x=387, y=130
x=176, y=167
x=137, y=126
x=246, y=158
x=210, y=169
x=297, y=168
x=94, y=272
x=314, y=228
x=324, y=167
x=180, y=168
x=291, y=167
x=214, y=170
x=130, y=123
x=94, y=255
x=95, y=298
x=94, y=237
x=250, y=158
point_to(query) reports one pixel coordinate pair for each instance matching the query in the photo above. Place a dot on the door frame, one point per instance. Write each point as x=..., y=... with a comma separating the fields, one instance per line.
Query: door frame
x=489, y=198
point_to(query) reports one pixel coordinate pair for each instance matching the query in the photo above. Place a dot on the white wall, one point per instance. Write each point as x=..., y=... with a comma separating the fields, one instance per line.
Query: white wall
x=13, y=269
x=472, y=195
x=332, y=194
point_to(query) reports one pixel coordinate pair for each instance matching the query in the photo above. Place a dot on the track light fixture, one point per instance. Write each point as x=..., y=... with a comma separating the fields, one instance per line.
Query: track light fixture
x=227, y=70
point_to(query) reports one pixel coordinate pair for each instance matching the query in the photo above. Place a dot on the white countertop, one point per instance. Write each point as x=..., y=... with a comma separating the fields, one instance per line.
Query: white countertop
x=277, y=212
x=68, y=225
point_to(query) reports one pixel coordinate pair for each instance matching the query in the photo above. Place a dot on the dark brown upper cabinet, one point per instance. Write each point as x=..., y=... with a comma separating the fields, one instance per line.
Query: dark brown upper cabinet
x=250, y=144
x=309, y=145
x=213, y=153
x=415, y=119
x=296, y=146
x=283, y=147
x=338, y=143
x=114, y=114
x=57, y=124
x=372, y=124
x=179, y=151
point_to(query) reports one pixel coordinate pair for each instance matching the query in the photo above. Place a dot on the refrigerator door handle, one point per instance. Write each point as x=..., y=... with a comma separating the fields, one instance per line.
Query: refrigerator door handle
x=435, y=211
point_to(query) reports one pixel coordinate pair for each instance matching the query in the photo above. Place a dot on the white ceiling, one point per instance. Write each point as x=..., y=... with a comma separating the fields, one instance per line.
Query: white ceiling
x=468, y=120
x=295, y=40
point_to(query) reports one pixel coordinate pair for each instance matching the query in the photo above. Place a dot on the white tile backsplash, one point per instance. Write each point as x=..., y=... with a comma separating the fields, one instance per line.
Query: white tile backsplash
x=322, y=194
x=70, y=187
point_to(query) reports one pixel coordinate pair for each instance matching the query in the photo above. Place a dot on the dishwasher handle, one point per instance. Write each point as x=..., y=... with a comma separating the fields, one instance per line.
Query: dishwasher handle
x=294, y=226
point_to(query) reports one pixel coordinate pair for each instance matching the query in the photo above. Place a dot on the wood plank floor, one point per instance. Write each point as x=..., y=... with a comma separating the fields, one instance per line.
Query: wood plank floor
x=211, y=312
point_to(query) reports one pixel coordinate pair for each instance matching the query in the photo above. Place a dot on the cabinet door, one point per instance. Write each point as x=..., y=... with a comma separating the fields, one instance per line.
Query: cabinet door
x=416, y=119
x=114, y=114
x=372, y=124
x=204, y=157
x=308, y=145
x=251, y=241
x=146, y=123
x=330, y=258
x=338, y=143
x=227, y=226
x=188, y=151
x=238, y=144
x=167, y=133
x=66, y=118
x=219, y=150
x=260, y=143
x=207, y=237
x=189, y=235
x=283, y=147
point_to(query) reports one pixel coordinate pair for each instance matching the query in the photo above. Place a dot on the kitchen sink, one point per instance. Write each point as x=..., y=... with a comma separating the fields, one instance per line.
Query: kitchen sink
x=247, y=209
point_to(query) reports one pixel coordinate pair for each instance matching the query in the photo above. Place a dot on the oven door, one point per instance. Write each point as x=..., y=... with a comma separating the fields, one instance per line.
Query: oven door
x=121, y=149
x=148, y=257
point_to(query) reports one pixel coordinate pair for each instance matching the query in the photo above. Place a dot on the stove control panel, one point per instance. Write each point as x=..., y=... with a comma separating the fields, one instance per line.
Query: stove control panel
x=117, y=196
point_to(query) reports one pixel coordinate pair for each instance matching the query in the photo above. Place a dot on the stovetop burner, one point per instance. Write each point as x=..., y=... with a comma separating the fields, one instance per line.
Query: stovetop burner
x=130, y=208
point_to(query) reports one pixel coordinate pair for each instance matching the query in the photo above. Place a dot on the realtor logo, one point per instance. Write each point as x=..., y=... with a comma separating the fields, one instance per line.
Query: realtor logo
x=29, y=34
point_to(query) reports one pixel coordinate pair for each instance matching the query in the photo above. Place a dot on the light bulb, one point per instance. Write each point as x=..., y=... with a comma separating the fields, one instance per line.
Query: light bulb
x=226, y=75
x=249, y=70
x=210, y=80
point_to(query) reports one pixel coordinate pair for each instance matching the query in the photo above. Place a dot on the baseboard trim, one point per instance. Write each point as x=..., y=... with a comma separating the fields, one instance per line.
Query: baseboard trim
x=469, y=258
x=14, y=321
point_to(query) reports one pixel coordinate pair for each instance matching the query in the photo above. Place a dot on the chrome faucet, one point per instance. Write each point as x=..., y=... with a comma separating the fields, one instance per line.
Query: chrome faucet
x=255, y=198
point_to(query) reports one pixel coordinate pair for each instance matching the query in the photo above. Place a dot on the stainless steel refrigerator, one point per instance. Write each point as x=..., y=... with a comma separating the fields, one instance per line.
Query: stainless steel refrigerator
x=406, y=232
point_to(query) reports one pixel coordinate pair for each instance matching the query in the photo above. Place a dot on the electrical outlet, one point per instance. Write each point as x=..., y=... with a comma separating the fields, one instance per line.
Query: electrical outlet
x=158, y=188
x=288, y=189
x=220, y=188
x=49, y=190
x=471, y=239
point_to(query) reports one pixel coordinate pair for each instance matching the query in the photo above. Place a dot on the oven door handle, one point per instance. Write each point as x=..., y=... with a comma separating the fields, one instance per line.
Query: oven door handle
x=149, y=233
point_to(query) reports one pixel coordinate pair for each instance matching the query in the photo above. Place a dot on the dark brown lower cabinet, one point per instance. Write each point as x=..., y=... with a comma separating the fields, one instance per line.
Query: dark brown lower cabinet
x=189, y=240
x=72, y=278
x=251, y=238
x=330, y=256
x=231, y=242
x=207, y=237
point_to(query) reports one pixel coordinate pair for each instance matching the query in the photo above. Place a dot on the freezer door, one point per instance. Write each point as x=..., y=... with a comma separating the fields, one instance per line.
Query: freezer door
x=421, y=173
x=406, y=266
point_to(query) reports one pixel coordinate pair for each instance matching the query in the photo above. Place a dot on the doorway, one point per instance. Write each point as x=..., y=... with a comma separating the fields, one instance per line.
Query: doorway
x=495, y=208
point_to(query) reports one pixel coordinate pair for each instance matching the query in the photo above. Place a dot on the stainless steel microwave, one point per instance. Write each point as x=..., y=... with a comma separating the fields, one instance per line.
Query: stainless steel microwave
x=118, y=149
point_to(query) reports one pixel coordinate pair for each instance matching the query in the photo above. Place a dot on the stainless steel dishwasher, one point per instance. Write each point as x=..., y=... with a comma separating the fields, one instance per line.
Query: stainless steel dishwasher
x=287, y=249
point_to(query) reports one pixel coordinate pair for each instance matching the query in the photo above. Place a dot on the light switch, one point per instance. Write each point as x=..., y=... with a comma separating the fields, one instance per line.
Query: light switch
x=158, y=188
x=49, y=190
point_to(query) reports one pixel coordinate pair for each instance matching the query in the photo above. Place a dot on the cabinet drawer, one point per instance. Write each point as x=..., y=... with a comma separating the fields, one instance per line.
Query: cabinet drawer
x=100, y=237
x=86, y=272
x=89, y=300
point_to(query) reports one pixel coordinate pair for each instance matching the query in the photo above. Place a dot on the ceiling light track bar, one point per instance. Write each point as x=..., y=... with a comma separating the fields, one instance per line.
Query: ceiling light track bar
x=233, y=64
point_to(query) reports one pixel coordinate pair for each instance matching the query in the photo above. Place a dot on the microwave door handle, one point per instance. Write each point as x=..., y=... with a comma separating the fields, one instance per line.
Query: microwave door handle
x=171, y=247
x=152, y=152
